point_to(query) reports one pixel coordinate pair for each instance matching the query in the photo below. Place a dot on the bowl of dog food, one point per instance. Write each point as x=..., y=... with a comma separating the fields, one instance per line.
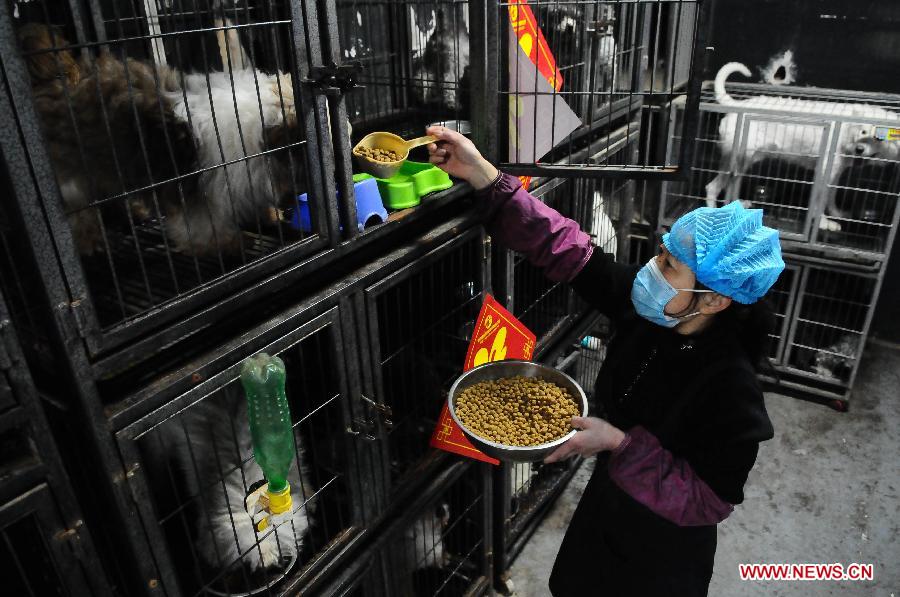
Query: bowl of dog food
x=381, y=154
x=516, y=411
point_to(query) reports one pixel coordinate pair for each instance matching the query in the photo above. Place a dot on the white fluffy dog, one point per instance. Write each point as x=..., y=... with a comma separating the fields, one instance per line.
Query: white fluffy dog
x=797, y=143
x=231, y=114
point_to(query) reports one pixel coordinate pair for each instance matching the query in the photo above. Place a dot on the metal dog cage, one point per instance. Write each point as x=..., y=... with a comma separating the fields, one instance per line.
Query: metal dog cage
x=823, y=164
x=45, y=543
x=589, y=67
x=169, y=187
x=418, y=322
x=827, y=327
x=440, y=545
x=193, y=465
x=178, y=491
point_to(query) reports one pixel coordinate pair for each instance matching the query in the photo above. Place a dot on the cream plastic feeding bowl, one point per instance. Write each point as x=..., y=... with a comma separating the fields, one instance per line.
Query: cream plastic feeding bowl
x=389, y=142
x=512, y=368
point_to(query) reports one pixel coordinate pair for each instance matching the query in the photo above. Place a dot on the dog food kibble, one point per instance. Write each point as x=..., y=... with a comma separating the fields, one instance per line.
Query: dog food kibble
x=379, y=155
x=518, y=411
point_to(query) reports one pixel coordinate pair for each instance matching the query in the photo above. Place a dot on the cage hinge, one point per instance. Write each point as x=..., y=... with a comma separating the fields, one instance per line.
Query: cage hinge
x=487, y=248
x=70, y=533
x=5, y=360
x=77, y=311
x=363, y=428
x=335, y=79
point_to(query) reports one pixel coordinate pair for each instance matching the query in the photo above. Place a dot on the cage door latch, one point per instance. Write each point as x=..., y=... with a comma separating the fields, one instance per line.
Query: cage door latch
x=367, y=427
x=335, y=79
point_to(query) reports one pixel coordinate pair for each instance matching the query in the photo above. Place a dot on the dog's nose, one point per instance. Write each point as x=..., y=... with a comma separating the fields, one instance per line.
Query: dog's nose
x=860, y=149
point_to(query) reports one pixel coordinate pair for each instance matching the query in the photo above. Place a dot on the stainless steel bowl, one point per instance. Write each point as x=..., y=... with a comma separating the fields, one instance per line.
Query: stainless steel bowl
x=512, y=368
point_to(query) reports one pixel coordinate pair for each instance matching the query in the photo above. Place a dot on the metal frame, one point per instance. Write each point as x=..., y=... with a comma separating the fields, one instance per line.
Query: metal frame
x=811, y=240
x=337, y=308
x=328, y=323
x=375, y=573
x=368, y=311
x=320, y=88
x=818, y=385
x=38, y=488
x=596, y=129
x=785, y=298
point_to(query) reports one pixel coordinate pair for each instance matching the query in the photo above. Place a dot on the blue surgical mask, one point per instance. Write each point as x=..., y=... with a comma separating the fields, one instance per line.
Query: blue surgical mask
x=651, y=292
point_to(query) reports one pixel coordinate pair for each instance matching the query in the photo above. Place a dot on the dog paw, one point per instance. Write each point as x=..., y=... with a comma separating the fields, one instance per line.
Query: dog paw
x=829, y=225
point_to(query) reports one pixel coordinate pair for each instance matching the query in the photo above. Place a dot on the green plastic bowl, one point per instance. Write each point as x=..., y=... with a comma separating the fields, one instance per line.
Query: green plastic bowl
x=413, y=181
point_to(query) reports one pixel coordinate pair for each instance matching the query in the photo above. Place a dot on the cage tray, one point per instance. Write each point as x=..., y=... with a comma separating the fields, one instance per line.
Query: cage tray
x=413, y=181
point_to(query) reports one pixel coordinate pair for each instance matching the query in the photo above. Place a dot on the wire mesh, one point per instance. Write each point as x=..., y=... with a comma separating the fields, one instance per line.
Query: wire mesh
x=174, y=134
x=782, y=297
x=414, y=59
x=31, y=568
x=200, y=467
x=825, y=169
x=442, y=550
x=583, y=67
x=426, y=315
x=830, y=324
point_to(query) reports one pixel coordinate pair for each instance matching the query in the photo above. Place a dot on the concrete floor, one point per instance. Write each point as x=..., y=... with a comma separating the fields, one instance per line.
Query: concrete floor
x=825, y=490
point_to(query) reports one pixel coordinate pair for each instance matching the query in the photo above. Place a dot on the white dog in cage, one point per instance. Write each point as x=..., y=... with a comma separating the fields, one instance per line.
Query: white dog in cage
x=210, y=445
x=423, y=541
x=122, y=135
x=795, y=142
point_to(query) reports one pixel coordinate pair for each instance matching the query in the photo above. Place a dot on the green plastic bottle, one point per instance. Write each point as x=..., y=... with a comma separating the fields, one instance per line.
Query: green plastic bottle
x=270, y=424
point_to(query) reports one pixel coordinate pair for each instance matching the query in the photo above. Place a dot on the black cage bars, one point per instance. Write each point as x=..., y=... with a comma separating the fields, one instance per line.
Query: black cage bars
x=45, y=543
x=439, y=545
x=161, y=180
x=418, y=323
x=187, y=476
x=193, y=466
x=602, y=64
x=168, y=182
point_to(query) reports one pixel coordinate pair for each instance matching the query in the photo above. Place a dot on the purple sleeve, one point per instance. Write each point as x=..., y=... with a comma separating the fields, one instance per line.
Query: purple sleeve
x=668, y=486
x=524, y=224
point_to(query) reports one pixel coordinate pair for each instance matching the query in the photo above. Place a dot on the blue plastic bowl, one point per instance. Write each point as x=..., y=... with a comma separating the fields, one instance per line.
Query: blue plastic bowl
x=368, y=206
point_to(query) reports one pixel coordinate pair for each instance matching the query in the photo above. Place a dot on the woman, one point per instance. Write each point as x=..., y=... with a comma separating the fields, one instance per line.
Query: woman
x=684, y=413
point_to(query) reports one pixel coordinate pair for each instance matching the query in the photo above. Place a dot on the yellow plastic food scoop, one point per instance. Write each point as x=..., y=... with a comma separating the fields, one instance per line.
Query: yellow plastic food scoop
x=388, y=142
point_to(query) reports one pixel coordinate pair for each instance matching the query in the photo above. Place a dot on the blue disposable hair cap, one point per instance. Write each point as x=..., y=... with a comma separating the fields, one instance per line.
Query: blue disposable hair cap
x=728, y=249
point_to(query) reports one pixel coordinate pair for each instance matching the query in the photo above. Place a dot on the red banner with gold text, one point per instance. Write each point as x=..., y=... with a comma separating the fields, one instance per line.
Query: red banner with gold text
x=533, y=43
x=497, y=336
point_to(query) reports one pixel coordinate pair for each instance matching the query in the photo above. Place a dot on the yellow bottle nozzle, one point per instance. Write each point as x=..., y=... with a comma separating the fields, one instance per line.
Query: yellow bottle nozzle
x=279, y=502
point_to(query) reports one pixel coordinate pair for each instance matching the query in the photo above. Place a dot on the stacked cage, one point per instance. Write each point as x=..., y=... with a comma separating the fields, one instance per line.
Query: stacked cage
x=184, y=196
x=183, y=152
x=367, y=371
x=824, y=165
